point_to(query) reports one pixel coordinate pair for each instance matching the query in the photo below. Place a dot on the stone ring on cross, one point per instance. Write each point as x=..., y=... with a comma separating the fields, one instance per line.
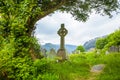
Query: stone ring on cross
x=62, y=31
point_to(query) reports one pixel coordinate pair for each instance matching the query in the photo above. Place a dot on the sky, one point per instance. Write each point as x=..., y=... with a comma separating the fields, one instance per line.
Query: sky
x=78, y=32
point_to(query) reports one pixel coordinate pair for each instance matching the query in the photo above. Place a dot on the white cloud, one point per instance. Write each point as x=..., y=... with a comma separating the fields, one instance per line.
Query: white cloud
x=78, y=32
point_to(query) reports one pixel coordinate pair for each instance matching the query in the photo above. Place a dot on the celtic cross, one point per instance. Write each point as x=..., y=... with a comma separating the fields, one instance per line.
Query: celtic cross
x=62, y=33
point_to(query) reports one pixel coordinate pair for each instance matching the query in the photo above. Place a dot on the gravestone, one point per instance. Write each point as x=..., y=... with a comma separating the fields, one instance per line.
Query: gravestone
x=52, y=53
x=114, y=49
x=107, y=52
x=44, y=52
x=61, y=53
x=97, y=68
x=77, y=52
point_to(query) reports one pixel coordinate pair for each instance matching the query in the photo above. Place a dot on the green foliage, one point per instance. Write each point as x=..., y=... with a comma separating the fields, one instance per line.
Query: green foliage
x=73, y=69
x=81, y=48
x=24, y=68
x=15, y=68
x=111, y=61
x=19, y=17
x=101, y=42
x=77, y=67
x=36, y=47
x=115, y=37
x=43, y=70
x=14, y=25
x=111, y=71
x=81, y=9
x=42, y=65
x=112, y=39
x=15, y=65
x=17, y=20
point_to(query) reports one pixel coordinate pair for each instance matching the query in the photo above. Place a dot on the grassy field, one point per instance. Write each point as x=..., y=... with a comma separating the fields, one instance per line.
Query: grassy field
x=78, y=66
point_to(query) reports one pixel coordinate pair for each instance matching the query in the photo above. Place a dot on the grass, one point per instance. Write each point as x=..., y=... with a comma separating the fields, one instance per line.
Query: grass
x=112, y=69
x=78, y=67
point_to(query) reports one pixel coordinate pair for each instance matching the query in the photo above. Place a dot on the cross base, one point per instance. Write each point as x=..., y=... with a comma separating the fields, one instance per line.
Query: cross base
x=61, y=53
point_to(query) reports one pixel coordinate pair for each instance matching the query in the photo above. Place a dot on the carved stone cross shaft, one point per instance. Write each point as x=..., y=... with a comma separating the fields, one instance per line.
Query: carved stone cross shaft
x=62, y=33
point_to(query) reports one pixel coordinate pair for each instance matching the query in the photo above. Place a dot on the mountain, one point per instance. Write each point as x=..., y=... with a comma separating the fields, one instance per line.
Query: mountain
x=68, y=47
x=91, y=43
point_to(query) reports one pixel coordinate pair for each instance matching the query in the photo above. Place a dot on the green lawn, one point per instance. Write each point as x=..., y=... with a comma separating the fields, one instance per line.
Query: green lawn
x=77, y=67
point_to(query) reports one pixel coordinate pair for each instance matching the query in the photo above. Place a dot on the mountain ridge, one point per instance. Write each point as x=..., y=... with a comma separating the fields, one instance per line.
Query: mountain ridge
x=91, y=43
x=69, y=48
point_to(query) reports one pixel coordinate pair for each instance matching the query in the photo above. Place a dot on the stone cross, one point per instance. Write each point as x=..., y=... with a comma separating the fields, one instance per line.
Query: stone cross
x=62, y=33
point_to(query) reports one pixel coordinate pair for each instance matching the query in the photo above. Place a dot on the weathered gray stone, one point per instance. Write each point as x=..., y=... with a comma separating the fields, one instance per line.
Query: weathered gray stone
x=62, y=33
x=52, y=53
x=97, y=68
x=114, y=49
x=106, y=52
x=43, y=51
x=61, y=54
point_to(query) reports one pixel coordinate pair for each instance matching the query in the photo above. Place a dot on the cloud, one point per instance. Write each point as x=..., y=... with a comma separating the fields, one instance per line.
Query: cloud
x=78, y=32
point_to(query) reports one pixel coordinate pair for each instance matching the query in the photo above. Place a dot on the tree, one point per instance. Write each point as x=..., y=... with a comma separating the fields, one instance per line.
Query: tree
x=18, y=17
x=81, y=48
x=100, y=43
x=17, y=23
x=33, y=10
x=114, y=40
